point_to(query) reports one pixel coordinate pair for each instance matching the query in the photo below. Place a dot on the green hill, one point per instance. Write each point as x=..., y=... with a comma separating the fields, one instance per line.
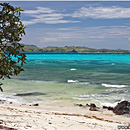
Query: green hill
x=31, y=48
x=71, y=49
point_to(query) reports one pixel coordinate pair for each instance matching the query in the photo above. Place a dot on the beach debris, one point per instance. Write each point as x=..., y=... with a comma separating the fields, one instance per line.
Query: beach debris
x=36, y=104
x=28, y=126
x=80, y=105
x=23, y=104
x=1, y=121
x=93, y=107
x=87, y=105
x=6, y=128
x=2, y=101
x=110, y=108
x=107, y=107
x=49, y=123
x=1, y=87
x=122, y=107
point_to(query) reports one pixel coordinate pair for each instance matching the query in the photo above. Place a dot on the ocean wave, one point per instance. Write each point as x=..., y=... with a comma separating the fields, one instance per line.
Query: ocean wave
x=77, y=82
x=73, y=69
x=113, y=64
x=78, y=98
x=115, y=86
x=98, y=97
x=109, y=104
x=113, y=104
x=9, y=98
x=84, y=96
x=72, y=81
x=83, y=83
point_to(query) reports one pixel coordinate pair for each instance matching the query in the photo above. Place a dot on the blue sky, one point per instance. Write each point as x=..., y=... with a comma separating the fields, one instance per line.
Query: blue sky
x=104, y=24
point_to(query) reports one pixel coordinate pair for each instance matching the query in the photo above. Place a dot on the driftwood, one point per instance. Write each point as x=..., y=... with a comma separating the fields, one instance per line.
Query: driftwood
x=6, y=128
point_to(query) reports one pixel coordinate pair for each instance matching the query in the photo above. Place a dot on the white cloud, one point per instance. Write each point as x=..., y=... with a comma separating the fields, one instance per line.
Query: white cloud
x=85, y=34
x=100, y=37
x=89, y=32
x=50, y=16
x=46, y=15
x=39, y=10
x=50, y=20
x=53, y=39
x=102, y=12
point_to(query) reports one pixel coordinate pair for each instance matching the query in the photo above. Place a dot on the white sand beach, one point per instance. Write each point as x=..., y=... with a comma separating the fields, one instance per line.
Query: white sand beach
x=27, y=117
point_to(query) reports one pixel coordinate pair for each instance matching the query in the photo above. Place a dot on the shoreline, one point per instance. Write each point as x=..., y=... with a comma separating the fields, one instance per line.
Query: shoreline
x=40, y=117
x=76, y=53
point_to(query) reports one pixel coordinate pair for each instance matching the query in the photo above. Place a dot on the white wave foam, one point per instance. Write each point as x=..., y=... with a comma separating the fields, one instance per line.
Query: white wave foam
x=84, y=96
x=72, y=81
x=83, y=83
x=113, y=64
x=113, y=104
x=115, y=86
x=73, y=69
x=77, y=82
x=109, y=104
x=9, y=98
x=79, y=98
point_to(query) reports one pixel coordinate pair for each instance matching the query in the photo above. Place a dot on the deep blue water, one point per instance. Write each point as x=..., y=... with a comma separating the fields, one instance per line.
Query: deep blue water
x=93, y=68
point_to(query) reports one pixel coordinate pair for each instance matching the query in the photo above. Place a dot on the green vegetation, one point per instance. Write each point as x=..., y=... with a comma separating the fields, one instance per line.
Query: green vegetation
x=71, y=49
x=11, y=32
x=31, y=48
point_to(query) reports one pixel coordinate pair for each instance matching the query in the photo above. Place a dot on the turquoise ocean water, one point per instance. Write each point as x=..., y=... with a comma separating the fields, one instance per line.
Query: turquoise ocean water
x=71, y=78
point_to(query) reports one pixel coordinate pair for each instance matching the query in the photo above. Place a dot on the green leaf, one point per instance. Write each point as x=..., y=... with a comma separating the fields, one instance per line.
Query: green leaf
x=11, y=32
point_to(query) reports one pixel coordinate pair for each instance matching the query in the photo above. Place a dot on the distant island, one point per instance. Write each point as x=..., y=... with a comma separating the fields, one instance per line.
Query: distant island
x=70, y=49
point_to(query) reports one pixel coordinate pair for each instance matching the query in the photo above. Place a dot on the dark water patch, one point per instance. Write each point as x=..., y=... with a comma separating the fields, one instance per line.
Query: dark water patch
x=31, y=94
x=117, y=101
x=117, y=92
x=105, y=93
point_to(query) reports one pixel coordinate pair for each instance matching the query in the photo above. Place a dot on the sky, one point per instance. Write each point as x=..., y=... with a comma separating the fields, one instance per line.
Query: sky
x=94, y=24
